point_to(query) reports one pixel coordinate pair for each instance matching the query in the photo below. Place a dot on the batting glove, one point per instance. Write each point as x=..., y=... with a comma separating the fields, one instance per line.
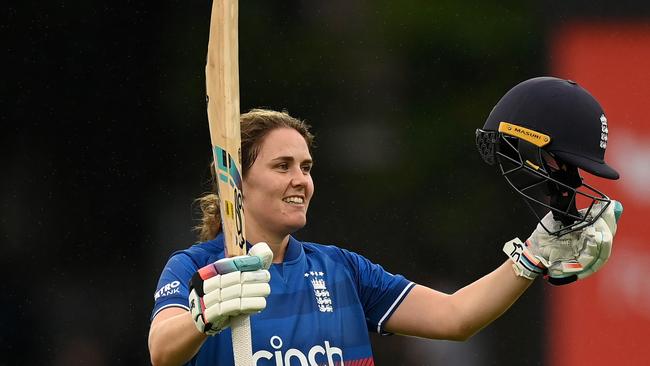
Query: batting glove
x=230, y=287
x=573, y=256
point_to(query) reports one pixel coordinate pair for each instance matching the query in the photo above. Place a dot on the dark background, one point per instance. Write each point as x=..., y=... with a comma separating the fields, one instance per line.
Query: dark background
x=105, y=144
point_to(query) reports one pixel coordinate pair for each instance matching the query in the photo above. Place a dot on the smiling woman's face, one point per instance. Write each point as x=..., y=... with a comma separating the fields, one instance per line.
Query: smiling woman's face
x=278, y=186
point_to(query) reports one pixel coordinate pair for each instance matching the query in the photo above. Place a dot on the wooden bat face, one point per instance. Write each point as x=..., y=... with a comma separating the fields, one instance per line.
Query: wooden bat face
x=222, y=87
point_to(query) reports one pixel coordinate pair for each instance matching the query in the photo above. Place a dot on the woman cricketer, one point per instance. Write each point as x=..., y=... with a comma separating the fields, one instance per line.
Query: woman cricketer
x=314, y=304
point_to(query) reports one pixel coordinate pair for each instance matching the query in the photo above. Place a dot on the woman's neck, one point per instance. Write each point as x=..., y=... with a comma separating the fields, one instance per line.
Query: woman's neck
x=278, y=244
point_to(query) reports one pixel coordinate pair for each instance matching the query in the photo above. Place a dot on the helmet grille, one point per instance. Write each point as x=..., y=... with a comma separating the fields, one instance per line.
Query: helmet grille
x=486, y=142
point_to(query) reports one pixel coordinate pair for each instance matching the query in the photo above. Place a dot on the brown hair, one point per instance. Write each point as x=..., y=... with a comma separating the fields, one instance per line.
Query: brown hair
x=255, y=125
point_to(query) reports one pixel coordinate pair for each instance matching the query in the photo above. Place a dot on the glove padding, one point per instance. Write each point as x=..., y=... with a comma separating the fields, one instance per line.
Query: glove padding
x=575, y=255
x=592, y=248
x=230, y=287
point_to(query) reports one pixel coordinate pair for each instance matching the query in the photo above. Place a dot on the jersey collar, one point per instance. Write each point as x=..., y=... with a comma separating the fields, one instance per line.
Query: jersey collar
x=294, y=250
x=293, y=253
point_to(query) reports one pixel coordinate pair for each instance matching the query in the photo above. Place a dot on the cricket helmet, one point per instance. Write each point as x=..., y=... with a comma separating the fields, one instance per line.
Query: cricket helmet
x=539, y=134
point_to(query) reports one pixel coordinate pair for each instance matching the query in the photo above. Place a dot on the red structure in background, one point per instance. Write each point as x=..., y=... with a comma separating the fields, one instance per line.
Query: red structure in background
x=605, y=319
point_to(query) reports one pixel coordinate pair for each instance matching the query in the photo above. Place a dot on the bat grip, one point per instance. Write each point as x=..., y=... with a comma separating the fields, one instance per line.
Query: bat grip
x=241, y=340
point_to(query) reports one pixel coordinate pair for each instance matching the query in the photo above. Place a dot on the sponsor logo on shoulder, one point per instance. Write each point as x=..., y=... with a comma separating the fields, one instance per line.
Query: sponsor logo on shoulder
x=168, y=289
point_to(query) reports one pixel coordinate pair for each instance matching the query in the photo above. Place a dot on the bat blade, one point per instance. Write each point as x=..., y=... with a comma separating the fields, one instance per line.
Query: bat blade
x=222, y=88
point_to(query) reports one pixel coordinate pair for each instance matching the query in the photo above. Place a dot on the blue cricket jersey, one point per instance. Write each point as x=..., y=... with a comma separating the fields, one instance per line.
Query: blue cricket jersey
x=323, y=302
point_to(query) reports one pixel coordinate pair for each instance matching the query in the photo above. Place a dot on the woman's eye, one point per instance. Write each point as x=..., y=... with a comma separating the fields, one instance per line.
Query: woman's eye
x=306, y=168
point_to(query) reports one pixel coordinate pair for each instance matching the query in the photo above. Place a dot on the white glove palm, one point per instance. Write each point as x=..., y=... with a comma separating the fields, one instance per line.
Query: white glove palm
x=573, y=256
x=230, y=287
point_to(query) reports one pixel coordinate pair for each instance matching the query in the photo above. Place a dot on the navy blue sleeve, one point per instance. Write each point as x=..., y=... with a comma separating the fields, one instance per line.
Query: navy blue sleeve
x=380, y=291
x=173, y=285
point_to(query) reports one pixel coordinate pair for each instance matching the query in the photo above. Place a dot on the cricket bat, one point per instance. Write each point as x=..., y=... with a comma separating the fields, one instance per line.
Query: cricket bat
x=222, y=88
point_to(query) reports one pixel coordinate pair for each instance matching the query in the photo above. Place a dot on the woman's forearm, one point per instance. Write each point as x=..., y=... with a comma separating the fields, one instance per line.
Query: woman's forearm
x=174, y=339
x=487, y=298
x=432, y=314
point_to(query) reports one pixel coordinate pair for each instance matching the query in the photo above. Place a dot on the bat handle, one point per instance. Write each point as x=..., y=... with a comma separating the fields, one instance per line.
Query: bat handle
x=242, y=346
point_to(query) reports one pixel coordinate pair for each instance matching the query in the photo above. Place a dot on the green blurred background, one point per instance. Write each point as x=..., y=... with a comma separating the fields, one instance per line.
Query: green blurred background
x=105, y=145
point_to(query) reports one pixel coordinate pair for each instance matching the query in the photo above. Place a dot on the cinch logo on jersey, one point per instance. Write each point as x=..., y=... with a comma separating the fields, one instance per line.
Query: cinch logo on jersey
x=603, y=131
x=168, y=289
x=316, y=356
